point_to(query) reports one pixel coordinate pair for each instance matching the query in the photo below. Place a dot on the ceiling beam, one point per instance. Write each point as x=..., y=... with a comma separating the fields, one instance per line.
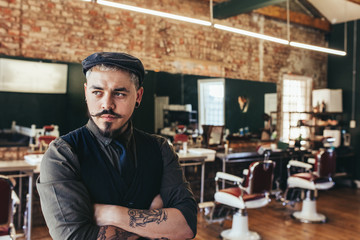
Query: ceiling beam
x=355, y=1
x=295, y=17
x=216, y=1
x=235, y=7
x=308, y=8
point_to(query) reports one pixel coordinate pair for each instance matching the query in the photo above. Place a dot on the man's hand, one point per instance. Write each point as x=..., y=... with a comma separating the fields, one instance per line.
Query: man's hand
x=157, y=202
x=109, y=232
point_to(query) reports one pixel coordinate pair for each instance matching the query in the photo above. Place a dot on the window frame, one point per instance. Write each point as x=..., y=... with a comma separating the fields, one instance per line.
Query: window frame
x=201, y=114
x=308, y=103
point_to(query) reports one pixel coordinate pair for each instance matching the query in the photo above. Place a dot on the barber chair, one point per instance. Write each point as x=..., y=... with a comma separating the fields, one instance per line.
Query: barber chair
x=44, y=136
x=252, y=191
x=44, y=142
x=315, y=175
x=8, y=202
x=50, y=132
x=180, y=138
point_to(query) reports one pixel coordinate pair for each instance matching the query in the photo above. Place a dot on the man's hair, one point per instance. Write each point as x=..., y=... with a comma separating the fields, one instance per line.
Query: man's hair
x=104, y=67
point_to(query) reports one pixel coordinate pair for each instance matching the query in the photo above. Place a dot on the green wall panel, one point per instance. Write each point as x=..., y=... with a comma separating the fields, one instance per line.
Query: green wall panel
x=76, y=114
x=340, y=75
x=254, y=91
x=143, y=117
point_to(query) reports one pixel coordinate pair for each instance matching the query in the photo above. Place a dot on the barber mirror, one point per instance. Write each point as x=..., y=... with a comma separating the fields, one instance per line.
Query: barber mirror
x=212, y=135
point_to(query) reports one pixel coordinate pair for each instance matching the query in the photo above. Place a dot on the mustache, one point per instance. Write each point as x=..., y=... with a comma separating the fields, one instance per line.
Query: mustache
x=107, y=111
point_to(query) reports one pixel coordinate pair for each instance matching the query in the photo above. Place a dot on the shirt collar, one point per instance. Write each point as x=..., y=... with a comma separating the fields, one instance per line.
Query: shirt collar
x=123, y=138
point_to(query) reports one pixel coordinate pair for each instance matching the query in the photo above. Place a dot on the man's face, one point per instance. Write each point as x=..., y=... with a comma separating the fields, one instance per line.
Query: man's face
x=111, y=98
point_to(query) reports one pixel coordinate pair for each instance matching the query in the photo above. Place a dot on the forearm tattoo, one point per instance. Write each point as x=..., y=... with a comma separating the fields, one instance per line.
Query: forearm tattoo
x=139, y=218
x=113, y=233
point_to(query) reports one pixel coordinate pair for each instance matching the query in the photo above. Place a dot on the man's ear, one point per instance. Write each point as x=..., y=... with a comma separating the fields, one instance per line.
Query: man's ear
x=139, y=95
x=85, y=87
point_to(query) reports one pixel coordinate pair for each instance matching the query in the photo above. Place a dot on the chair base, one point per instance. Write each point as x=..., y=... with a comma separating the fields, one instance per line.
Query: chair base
x=227, y=235
x=10, y=236
x=308, y=213
x=240, y=229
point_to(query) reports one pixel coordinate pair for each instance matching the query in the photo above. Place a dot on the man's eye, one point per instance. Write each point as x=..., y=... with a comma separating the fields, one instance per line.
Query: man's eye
x=96, y=93
x=119, y=94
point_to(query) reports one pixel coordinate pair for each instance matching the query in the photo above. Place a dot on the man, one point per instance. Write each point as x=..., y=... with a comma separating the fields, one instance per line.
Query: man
x=108, y=180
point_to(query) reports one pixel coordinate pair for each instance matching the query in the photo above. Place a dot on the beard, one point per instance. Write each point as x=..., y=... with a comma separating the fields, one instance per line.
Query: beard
x=107, y=132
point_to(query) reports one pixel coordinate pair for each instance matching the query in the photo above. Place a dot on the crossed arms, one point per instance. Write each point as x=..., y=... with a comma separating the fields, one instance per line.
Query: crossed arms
x=160, y=223
x=69, y=213
x=123, y=223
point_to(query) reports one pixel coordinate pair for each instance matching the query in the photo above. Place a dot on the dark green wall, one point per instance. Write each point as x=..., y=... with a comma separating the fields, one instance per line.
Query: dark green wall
x=340, y=75
x=69, y=110
x=76, y=111
x=27, y=109
x=254, y=91
x=182, y=89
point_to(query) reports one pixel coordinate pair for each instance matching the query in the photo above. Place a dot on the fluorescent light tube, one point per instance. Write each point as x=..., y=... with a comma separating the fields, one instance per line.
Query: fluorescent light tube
x=316, y=48
x=153, y=12
x=219, y=26
x=251, y=34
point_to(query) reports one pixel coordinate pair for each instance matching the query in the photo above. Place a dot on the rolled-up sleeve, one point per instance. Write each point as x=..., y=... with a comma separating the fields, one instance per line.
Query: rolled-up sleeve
x=175, y=190
x=64, y=199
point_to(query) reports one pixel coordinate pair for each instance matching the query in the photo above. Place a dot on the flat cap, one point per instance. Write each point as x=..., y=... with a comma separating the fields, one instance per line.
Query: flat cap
x=122, y=60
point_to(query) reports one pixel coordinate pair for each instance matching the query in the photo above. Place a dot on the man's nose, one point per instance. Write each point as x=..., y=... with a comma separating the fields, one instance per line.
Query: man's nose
x=108, y=102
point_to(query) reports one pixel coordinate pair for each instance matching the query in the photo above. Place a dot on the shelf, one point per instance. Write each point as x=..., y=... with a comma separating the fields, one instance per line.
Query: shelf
x=180, y=117
x=316, y=126
x=312, y=125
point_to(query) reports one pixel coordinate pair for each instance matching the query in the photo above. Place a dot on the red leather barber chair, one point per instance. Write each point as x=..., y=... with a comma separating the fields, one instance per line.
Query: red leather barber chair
x=313, y=178
x=252, y=191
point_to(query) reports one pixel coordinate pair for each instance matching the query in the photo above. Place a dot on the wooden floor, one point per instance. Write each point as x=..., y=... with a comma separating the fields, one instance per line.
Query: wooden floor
x=341, y=205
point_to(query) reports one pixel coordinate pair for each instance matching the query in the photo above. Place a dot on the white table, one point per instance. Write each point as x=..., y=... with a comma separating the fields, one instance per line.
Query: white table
x=24, y=170
x=192, y=159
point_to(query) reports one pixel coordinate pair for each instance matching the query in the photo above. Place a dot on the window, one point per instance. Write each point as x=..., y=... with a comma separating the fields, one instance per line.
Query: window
x=296, y=97
x=211, y=102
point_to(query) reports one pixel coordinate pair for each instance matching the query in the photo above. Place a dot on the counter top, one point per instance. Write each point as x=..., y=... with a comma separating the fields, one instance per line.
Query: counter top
x=9, y=166
x=191, y=156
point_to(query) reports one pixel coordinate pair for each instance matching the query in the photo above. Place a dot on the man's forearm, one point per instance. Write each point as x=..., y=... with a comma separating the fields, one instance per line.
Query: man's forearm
x=111, y=232
x=154, y=223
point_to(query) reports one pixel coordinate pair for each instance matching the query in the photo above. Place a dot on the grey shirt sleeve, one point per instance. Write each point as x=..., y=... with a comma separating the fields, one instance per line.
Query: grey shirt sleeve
x=175, y=190
x=65, y=202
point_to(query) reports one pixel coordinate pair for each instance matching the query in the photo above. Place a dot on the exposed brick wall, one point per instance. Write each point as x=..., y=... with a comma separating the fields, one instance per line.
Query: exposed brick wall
x=65, y=30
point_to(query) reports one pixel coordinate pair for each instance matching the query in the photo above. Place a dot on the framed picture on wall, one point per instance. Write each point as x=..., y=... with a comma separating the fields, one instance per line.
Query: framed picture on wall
x=32, y=77
x=213, y=135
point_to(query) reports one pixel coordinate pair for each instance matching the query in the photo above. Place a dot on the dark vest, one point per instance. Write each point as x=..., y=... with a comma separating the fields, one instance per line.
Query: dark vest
x=103, y=180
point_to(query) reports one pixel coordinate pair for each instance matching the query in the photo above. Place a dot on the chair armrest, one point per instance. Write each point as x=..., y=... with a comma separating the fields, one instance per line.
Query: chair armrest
x=311, y=161
x=230, y=200
x=228, y=177
x=15, y=197
x=295, y=163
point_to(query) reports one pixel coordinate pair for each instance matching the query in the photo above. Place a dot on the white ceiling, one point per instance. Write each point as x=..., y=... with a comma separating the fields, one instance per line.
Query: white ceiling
x=337, y=11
